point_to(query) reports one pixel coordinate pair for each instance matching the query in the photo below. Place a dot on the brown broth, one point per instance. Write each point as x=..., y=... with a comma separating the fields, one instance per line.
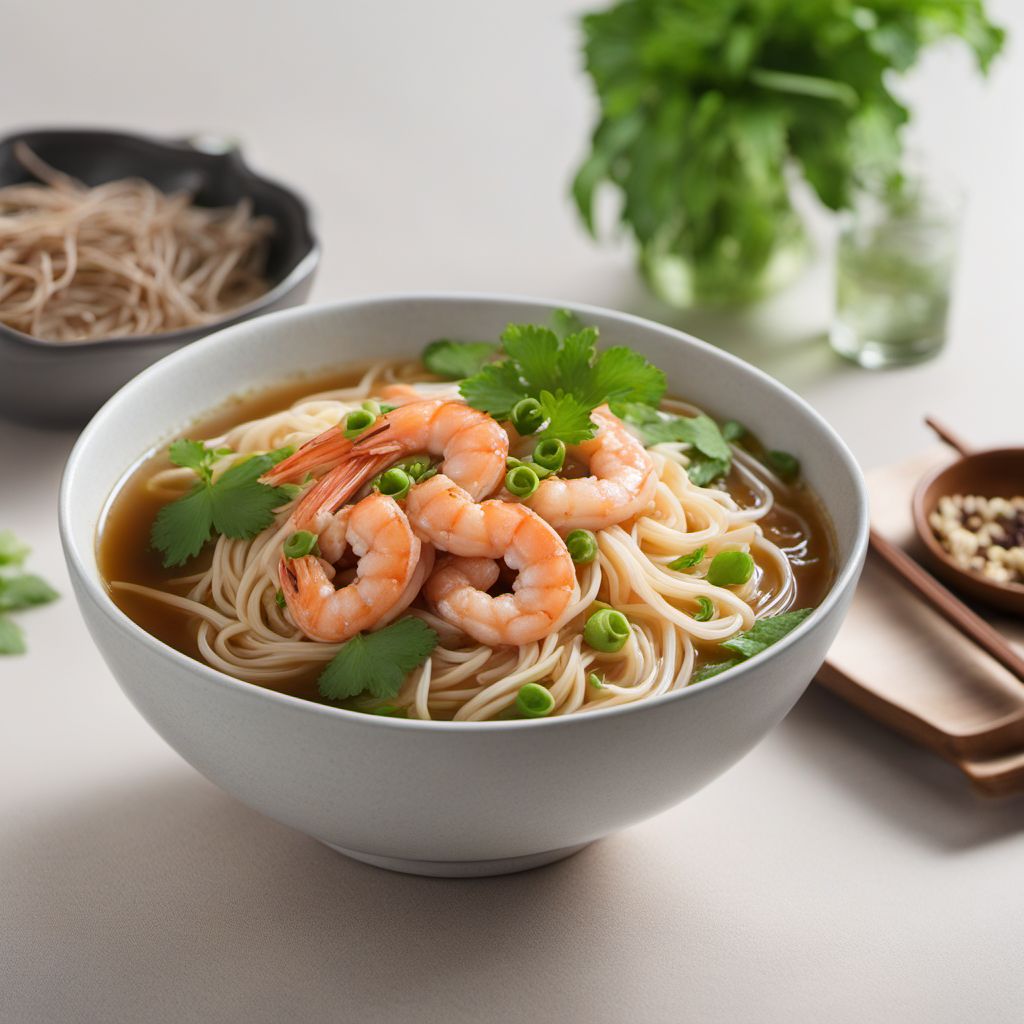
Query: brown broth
x=125, y=554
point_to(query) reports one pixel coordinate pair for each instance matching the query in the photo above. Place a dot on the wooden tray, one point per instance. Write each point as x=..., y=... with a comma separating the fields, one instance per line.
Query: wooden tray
x=901, y=663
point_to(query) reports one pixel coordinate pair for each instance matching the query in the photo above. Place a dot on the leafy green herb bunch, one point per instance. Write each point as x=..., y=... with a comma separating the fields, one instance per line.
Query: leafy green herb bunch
x=704, y=104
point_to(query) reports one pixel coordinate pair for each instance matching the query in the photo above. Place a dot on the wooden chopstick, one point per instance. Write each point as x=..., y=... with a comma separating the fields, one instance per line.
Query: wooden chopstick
x=950, y=607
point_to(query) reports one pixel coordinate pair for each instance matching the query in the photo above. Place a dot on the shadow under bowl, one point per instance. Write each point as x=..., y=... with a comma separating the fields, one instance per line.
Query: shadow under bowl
x=996, y=473
x=57, y=383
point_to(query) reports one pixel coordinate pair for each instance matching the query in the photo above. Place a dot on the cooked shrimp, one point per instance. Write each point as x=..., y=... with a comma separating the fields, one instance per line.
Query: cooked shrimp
x=622, y=483
x=404, y=394
x=379, y=534
x=473, y=448
x=480, y=533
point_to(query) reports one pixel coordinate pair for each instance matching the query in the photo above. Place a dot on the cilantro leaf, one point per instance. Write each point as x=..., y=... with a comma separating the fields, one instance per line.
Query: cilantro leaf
x=23, y=591
x=703, y=471
x=565, y=322
x=495, y=389
x=714, y=669
x=620, y=375
x=535, y=352
x=241, y=506
x=568, y=418
x=12, y=551
x=564, y=365
x=766, y=632
x=183, y=527
x=690, y=560
x=12, y=640
x=236, y=504
x=457, y=359
x=379, y=661
x=699, y=431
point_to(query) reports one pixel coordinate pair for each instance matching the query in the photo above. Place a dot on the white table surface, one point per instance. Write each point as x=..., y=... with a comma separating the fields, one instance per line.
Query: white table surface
x=837, y=873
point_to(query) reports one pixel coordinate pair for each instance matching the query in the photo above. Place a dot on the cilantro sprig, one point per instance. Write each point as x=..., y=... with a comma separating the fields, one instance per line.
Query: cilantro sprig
x=378, y=662
x=18, y=591
x=236, y=505
x=758, y=638
x=561, y=369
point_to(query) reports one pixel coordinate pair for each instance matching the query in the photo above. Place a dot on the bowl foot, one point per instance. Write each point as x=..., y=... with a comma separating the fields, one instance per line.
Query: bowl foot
x=460, y=868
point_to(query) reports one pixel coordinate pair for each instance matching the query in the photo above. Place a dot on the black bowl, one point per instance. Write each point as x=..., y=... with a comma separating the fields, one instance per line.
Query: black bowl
x=63, y=383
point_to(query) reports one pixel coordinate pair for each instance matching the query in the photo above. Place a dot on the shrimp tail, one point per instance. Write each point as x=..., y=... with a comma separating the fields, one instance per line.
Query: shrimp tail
x=336, y=487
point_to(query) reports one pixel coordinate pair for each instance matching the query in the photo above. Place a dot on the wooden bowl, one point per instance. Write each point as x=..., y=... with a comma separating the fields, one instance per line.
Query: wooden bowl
x=998, y=472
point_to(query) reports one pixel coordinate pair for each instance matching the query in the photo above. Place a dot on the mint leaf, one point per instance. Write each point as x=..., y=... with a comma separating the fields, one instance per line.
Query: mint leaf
x=12, y=551
x=766, y=632
x=12, y=640
x=379, y=661
x=457, y=359
x=568, y=418
x=23, y=591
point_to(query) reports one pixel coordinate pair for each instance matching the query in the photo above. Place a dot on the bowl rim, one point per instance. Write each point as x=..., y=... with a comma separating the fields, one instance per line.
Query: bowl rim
x=183, y=335
x=999, y=591
x=846, y=575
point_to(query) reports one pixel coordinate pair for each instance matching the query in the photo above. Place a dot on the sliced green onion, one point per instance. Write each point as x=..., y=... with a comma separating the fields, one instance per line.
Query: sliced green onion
x=394, y=482
x=690, y=560
x=542, y=474
x=372, y=407
x=534, y=701
x=387, y=711
x=705, y=610
x=356, y=422
x=521, y=481
x=550, y=453
x=594, y=680
x=607, y=630
x=300, y=544
x=279, y=598
x=292, y=490
x=785, y=466
x=730, y=568
x=427, y=475
x=582, y=545
x=385, y=409
x=527, y=416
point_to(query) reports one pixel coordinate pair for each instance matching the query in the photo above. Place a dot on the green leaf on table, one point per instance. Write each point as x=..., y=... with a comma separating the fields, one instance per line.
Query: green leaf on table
x=12, y=640
x=23, y=591
x=12, y=550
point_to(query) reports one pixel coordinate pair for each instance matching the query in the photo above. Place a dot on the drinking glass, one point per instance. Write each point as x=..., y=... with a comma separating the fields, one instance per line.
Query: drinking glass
x=897, y=252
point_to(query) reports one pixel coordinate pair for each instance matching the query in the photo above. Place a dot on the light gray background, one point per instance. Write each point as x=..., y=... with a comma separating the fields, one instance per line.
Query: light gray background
x=836, y=874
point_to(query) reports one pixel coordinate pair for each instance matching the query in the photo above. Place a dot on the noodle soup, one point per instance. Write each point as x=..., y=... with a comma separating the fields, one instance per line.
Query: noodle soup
x=426, y=559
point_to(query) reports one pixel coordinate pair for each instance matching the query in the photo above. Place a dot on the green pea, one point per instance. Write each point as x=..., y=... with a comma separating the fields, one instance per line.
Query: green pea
x=527, y=416
x=582, y=545
x=534, y=701
x=357, y=421
x=300, y=544
x=521, y=481
x=394, y=482
x=607, y=630
x=730, y=568
x=550, y=453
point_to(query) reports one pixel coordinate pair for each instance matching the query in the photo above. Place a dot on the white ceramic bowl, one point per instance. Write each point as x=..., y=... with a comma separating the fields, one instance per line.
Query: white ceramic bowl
x=434, y=797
